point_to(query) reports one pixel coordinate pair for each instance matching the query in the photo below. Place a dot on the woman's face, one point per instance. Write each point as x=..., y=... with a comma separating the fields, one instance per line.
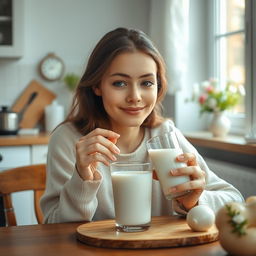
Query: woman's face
x=129, y=89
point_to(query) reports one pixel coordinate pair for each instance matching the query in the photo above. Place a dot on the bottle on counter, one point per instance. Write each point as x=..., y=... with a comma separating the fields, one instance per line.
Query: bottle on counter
x=54, y=115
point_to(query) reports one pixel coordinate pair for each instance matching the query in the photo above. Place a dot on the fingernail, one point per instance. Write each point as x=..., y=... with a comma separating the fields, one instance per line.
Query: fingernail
x=113, y=158
x=181, y=157
x=117, y=150
x=174, y=172
x=173, y=189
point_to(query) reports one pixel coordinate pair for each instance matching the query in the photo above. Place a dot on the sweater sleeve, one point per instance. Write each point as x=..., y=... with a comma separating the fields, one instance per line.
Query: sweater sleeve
x=217, y=191
x=67, y=197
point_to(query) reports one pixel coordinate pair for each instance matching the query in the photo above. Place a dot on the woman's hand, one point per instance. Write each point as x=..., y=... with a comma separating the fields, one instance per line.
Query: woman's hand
x=96, y=146
x=196, y=184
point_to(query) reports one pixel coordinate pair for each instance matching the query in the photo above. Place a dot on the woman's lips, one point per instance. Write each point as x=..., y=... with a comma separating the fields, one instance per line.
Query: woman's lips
x=133, y=111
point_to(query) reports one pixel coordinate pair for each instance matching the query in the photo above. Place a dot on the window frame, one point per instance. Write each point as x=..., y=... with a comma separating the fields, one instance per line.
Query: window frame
x=250, y=20
x=241, y=123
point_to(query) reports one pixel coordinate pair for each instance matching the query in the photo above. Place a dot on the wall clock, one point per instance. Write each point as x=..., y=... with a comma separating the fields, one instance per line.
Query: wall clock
x=51, y=67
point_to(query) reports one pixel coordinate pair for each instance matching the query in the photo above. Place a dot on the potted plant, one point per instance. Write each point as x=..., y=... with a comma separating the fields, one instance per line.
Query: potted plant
x=71, y=80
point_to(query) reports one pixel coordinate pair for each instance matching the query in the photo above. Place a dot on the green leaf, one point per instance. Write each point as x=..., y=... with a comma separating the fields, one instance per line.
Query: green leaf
x=238, y=228
x=71, y=80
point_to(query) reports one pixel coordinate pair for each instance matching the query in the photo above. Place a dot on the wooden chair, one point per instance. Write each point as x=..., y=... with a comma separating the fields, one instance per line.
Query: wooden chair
x=32, y=177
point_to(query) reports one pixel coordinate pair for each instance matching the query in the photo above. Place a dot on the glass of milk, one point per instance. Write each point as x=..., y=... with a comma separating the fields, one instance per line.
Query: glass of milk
x=132, y=190
x=163, y=150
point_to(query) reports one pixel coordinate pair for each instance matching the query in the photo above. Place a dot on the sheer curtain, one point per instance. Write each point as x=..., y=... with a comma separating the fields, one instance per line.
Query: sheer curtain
x=168, y=28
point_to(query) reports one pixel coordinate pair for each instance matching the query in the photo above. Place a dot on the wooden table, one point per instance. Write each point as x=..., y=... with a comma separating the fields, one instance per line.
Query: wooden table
x=60, y=239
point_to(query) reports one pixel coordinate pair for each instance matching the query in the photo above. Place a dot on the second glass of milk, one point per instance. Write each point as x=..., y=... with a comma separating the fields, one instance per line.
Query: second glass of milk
x=132, y=190
x=163, y=150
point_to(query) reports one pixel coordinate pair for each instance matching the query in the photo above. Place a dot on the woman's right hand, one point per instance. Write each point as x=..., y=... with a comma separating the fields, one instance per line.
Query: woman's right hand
x=96, y=146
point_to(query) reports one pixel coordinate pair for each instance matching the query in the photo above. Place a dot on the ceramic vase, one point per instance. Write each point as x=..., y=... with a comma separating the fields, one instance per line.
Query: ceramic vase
x=220, y=124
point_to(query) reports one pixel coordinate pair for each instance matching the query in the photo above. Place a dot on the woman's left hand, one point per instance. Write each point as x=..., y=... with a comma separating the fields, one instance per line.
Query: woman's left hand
x=196, y=184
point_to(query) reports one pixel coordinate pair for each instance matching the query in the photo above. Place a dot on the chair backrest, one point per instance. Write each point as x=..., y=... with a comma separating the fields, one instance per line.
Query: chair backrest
x=32, y=177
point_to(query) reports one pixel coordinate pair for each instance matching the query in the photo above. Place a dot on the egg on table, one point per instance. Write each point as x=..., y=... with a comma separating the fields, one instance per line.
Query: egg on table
x=200, y=218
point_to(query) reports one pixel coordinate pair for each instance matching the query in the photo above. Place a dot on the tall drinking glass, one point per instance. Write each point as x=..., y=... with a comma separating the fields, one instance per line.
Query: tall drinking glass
x=132, y=190
x=163, y=150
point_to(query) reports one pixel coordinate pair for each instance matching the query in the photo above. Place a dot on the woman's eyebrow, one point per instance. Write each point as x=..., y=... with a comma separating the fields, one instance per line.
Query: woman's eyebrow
x=127, y=76
x=146, y=75
x=120, y=74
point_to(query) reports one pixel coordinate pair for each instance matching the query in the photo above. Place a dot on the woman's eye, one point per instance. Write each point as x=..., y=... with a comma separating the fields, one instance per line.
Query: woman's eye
x=147, y=83
x=119, y=83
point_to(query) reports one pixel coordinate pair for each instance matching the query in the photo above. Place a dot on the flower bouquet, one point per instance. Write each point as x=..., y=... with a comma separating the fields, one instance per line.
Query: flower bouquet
x=213, y=99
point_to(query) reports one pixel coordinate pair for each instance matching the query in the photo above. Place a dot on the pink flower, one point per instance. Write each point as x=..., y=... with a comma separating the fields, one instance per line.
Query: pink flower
x=209, y=89
x=202, y=99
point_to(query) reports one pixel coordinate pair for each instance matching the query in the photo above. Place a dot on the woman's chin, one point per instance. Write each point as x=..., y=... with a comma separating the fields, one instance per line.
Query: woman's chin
x=130, y=123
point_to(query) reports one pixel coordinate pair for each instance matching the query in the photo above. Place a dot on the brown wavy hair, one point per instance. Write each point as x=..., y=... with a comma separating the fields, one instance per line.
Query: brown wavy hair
x=87, y=110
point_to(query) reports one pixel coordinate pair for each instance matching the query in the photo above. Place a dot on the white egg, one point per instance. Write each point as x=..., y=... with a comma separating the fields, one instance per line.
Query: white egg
x=200, y=218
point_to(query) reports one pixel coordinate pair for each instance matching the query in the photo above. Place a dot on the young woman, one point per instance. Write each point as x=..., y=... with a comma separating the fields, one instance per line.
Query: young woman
x=116, y=109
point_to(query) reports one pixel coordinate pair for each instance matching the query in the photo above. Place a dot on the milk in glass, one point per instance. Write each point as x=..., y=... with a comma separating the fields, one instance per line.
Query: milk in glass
x=164, y=160
x=132, y=197
x=163, y=150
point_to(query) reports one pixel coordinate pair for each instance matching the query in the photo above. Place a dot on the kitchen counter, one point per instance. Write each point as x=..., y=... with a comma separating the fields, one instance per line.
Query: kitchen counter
x=21, y=140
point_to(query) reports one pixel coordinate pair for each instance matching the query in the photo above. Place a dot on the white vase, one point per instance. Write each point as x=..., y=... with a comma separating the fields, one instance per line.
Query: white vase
x=220, y=124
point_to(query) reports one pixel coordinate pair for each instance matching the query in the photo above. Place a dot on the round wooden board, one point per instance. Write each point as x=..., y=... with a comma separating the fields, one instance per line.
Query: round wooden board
x=165, y=231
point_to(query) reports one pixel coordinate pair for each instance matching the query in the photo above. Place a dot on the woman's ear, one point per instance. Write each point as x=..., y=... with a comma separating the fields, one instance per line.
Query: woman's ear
x=97, y=91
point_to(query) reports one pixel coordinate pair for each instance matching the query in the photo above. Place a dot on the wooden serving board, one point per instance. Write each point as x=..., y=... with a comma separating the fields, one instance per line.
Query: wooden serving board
x=165, y=231
x=35, y=110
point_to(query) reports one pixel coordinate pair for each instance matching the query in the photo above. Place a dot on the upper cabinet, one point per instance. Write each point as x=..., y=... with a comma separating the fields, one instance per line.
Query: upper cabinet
x=11, y=28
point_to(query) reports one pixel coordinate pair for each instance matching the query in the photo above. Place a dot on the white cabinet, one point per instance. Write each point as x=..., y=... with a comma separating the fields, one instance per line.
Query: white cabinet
x=38, y=154
x=15, y=156
x=11, y=28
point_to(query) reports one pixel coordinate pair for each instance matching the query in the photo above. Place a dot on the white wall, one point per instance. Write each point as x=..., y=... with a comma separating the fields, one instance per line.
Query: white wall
x=69, y=28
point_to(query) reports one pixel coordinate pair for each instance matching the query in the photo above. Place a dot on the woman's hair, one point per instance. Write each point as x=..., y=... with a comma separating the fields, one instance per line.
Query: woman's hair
x=87, y=110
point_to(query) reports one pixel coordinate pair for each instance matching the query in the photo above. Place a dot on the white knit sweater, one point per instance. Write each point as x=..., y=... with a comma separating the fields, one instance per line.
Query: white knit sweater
x=69, y=198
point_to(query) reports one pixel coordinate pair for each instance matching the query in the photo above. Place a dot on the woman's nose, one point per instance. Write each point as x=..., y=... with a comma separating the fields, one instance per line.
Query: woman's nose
x=134, y=94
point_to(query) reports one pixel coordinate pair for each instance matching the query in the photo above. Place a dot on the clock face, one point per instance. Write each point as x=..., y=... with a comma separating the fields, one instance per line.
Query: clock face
x=51, y=67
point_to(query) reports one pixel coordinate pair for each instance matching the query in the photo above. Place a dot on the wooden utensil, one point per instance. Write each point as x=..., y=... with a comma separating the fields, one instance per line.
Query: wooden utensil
x=34, y=112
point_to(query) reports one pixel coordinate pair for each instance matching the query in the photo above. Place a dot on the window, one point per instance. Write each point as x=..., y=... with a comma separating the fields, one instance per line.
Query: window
x=231, y=44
